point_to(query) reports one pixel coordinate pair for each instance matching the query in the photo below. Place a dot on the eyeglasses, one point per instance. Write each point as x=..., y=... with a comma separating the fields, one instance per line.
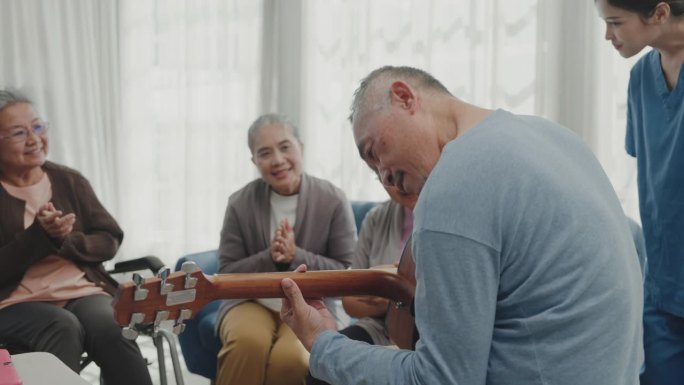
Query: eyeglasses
x=18, y=134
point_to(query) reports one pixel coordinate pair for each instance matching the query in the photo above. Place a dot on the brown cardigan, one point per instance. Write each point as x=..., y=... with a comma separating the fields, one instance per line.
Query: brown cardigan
x=95, y=238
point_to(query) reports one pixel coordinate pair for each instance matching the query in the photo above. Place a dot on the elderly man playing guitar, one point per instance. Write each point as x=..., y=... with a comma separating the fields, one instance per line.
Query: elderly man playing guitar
x=526, y=272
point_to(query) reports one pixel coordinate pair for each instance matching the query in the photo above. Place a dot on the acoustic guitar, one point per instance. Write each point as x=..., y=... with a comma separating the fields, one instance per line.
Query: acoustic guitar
x=400, y=321
x=179, y=296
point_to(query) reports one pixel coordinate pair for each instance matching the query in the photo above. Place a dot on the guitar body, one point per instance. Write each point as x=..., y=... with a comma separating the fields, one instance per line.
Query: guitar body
x=400, y=320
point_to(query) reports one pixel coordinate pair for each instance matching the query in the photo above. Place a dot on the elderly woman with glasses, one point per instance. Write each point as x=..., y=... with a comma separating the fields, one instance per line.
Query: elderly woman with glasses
x=54, y=235
x=275, y=223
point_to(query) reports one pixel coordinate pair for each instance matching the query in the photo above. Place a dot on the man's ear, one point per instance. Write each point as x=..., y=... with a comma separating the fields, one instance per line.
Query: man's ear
x=253, y=160
x=402, y=94
x=662, y=12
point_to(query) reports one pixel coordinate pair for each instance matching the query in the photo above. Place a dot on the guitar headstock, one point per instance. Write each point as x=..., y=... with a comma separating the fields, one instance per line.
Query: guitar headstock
x=146, y=302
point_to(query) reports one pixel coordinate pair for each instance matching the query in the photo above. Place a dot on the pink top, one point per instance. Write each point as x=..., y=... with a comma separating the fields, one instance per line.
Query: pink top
x=52, y=279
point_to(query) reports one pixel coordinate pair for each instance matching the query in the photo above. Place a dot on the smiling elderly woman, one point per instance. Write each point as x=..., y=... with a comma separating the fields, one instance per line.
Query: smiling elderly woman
x=275, y=223
x=54, y=235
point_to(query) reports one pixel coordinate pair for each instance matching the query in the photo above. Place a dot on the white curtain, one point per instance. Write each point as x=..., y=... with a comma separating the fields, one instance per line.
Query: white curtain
x=537, y=57
x=190, y=78
x=583, y=85
x=483, y=51
x=152, y=98
x=64, y=56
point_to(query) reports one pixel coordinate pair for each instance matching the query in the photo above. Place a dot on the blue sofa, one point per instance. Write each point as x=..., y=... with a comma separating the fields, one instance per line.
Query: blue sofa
x=199, y=343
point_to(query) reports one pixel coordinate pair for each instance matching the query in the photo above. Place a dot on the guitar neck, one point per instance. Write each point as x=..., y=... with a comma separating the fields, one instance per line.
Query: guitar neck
x=144, y=302
x=314, y=284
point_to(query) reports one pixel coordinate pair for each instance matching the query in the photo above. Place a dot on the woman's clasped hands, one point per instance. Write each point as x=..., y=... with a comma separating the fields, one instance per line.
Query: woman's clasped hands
x=55, y=223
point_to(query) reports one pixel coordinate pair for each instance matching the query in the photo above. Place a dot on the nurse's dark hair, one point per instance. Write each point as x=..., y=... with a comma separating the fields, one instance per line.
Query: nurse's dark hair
x=646, y=8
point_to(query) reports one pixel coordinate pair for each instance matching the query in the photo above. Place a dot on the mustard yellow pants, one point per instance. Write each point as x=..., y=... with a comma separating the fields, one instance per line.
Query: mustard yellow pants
x=259, y=349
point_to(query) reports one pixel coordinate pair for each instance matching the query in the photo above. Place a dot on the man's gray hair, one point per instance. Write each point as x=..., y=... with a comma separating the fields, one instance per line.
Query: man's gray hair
x=9, y=97
x=413, y=76
x=268, y=119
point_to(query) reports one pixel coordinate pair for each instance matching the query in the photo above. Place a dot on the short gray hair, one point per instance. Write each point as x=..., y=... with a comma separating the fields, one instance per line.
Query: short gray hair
x=268, y=119
x=413, y=76
x=10, y=97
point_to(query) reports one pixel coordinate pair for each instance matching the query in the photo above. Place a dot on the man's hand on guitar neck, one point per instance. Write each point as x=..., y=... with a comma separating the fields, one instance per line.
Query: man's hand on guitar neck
x=306, y=317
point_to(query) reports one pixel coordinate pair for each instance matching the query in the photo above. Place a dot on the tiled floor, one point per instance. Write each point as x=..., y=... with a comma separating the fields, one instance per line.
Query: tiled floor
x=92, y=373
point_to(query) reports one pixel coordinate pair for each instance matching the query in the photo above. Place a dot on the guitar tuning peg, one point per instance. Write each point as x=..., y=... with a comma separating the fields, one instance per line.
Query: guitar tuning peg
x=162, y=315
x=130, y=332
x=140, y=293
x=164, y=288
x=188, y=268
x=179, y=327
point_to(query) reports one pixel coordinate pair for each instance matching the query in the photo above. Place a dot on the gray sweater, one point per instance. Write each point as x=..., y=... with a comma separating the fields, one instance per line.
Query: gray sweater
x=379, y=244
x=325, y=233
x=526, y=270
